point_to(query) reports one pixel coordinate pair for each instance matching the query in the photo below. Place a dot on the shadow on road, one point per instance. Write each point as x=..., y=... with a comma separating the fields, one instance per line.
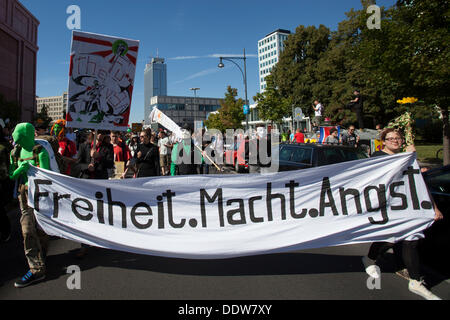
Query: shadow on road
x=13, y=263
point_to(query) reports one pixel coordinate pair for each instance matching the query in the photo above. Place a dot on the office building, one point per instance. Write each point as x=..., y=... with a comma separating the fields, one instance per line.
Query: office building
x=269, y=50
x=18, y=51
x=183, y=110
x=56, y=106
x=155, y=79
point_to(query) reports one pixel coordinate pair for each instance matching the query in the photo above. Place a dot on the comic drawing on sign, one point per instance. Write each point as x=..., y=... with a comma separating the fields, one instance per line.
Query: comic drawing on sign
x=101, y=77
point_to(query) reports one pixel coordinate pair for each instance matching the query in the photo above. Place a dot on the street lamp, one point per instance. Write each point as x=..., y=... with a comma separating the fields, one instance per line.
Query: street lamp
x=244, y=75
x=195, y=100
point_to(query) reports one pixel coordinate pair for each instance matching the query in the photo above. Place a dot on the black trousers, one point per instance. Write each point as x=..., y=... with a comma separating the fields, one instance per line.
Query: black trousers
x=405, y=252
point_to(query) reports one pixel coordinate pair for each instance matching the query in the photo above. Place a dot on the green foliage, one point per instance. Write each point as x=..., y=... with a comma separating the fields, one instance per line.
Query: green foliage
x=271, y=105
x=295, y=73
x=42, y=116
x=408, y=57
x=230, y=114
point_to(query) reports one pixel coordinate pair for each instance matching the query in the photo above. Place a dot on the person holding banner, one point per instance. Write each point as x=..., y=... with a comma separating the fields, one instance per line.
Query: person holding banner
x=27, y=152
x=147, y=156
x=392, y=144
x=185, y=155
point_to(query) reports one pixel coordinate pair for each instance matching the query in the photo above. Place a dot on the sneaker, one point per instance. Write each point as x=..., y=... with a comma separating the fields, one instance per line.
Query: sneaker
x=419, y=288
x=28, y=279
x=371, y=268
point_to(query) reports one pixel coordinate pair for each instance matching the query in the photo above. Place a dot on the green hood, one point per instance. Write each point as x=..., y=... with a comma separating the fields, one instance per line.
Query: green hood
x=23, y=135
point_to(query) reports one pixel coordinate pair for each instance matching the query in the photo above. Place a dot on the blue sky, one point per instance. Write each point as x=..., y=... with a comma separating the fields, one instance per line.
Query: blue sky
x=187, y=33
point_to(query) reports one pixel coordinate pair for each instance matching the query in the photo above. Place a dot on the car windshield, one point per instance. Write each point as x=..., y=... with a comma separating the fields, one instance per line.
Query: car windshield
x=337, y=155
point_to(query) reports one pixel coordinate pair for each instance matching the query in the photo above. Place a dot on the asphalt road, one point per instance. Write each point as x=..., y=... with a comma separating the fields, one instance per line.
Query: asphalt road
x=329, y=273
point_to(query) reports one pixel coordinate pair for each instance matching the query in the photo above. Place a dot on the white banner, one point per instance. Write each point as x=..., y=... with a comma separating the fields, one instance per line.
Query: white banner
x=204, y=217
x=101, y=79
x=157, y=116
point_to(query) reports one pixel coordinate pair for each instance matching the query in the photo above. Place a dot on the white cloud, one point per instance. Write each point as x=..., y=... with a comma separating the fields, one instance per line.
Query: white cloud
x=214, y=55
x=184, y=58
x=198, y=75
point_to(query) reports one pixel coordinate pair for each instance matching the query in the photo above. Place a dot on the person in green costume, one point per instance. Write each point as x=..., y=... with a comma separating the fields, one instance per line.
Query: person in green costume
x=27, y=152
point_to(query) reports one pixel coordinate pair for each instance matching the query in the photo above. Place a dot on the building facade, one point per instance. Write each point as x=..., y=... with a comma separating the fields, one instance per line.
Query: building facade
x=56, y=106
x=183, y=110
x=155, y=79
x=269, y=50
x=18, y=52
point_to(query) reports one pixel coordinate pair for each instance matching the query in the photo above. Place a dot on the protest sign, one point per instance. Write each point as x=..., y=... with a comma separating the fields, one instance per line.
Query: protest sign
x=156, y=116
x=207, y=217
x=101, y=79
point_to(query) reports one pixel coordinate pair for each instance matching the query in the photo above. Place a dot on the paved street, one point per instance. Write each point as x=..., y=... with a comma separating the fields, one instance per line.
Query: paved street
x=330, y=273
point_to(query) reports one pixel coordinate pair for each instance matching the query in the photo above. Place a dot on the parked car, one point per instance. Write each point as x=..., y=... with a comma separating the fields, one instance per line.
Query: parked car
x=435, y=248
x=304, y=155
x=235, y=156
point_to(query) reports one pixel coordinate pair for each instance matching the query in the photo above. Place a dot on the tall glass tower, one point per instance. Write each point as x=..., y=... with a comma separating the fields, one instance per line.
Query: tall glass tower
x=155, y=80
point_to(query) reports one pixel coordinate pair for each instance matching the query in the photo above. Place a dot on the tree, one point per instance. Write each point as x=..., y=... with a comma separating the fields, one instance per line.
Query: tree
x=294, y=75
x=344, y=67
x=412, y=54
x=408, y=57
x=271, y=105
x=230, y=114
x=42, y=116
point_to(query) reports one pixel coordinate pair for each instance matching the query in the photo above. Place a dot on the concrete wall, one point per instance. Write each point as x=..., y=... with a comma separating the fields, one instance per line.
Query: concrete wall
x=18, y=54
